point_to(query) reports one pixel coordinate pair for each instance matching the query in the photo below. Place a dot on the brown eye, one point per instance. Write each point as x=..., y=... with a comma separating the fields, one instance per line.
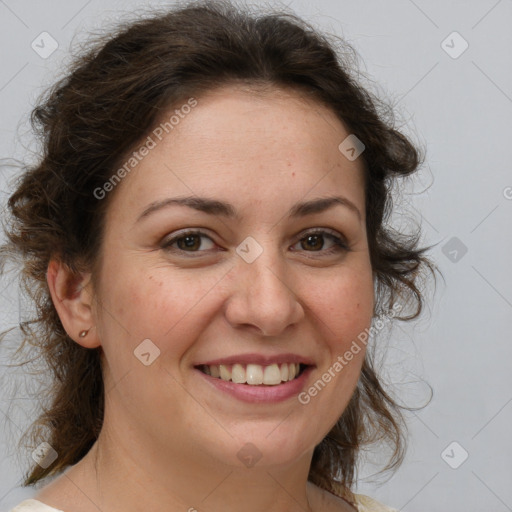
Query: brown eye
x=189, y=241
x=316, y=241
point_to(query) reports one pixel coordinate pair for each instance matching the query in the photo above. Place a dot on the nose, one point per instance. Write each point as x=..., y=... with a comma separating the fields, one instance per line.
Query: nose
x=263, y=298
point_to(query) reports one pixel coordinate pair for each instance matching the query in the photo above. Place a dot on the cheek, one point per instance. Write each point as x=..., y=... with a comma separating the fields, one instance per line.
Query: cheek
x=149, y=303
x=345, y=306
x=344, y=310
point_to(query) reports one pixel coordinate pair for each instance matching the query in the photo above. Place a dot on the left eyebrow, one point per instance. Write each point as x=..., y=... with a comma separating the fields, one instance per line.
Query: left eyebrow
x=322, y=204
x=215, y=207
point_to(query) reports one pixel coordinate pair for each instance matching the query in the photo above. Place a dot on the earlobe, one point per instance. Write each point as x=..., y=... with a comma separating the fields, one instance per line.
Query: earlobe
x=72, y=297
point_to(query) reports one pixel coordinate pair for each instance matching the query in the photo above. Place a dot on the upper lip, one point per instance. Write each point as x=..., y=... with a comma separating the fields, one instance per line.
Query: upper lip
x=263, y=360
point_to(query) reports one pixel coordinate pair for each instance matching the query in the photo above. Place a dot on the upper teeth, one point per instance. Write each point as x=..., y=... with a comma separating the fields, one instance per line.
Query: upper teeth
x=254, y=374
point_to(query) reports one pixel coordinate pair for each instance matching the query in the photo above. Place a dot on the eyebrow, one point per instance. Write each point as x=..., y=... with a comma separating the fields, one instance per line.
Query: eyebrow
x=215, y=207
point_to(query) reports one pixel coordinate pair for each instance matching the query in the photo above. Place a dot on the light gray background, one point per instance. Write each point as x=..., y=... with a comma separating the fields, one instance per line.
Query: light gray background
x=461, y=110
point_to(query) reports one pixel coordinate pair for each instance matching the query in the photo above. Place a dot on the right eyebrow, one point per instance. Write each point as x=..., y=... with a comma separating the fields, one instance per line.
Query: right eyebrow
x=202, y=204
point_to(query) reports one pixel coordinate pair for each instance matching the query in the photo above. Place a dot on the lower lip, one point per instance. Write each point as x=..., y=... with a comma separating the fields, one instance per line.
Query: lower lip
x=262, y=393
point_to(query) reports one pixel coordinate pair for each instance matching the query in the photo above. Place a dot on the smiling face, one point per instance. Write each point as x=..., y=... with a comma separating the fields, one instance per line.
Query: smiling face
x=269, y=275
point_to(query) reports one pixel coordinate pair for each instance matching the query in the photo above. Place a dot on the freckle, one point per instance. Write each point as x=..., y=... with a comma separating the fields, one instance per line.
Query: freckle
x=293, y=174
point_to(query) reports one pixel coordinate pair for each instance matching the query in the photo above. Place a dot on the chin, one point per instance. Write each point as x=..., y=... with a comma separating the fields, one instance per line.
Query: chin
x=266, y=448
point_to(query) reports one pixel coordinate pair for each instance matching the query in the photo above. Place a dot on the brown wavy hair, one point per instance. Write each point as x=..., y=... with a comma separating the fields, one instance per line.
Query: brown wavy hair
x=110, y=98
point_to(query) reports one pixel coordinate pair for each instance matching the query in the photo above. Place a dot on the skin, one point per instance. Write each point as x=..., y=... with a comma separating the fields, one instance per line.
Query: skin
x=169, y=440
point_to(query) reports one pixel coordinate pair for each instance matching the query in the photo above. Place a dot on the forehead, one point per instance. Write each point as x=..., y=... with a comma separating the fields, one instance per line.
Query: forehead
x=254, y=147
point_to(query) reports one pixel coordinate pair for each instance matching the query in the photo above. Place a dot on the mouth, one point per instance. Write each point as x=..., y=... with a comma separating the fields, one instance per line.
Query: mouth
x=255, y=374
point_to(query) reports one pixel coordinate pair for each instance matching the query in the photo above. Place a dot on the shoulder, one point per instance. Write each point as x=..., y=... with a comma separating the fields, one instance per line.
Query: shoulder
x=337, y=498
x=367, y=504
x=32, y=505
x=345, y=499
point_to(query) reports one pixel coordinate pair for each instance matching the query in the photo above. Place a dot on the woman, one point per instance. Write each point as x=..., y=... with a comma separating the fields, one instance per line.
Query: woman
x=205, y=238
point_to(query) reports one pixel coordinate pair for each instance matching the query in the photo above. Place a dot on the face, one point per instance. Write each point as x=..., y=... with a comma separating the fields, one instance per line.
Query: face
x=248, y=278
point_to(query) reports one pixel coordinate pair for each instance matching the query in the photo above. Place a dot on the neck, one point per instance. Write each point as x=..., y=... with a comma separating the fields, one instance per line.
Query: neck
x=122, y=477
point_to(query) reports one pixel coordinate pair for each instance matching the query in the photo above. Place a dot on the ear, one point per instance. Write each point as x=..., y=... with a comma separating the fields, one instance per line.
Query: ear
x=72, y=297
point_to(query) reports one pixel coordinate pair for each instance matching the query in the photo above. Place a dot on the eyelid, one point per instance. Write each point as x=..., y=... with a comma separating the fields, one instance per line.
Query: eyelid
x=167, y=242
x=322, y=231
x=338, y=238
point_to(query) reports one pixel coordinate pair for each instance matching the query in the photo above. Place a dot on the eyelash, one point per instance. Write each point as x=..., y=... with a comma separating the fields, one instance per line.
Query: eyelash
x=340, y=245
